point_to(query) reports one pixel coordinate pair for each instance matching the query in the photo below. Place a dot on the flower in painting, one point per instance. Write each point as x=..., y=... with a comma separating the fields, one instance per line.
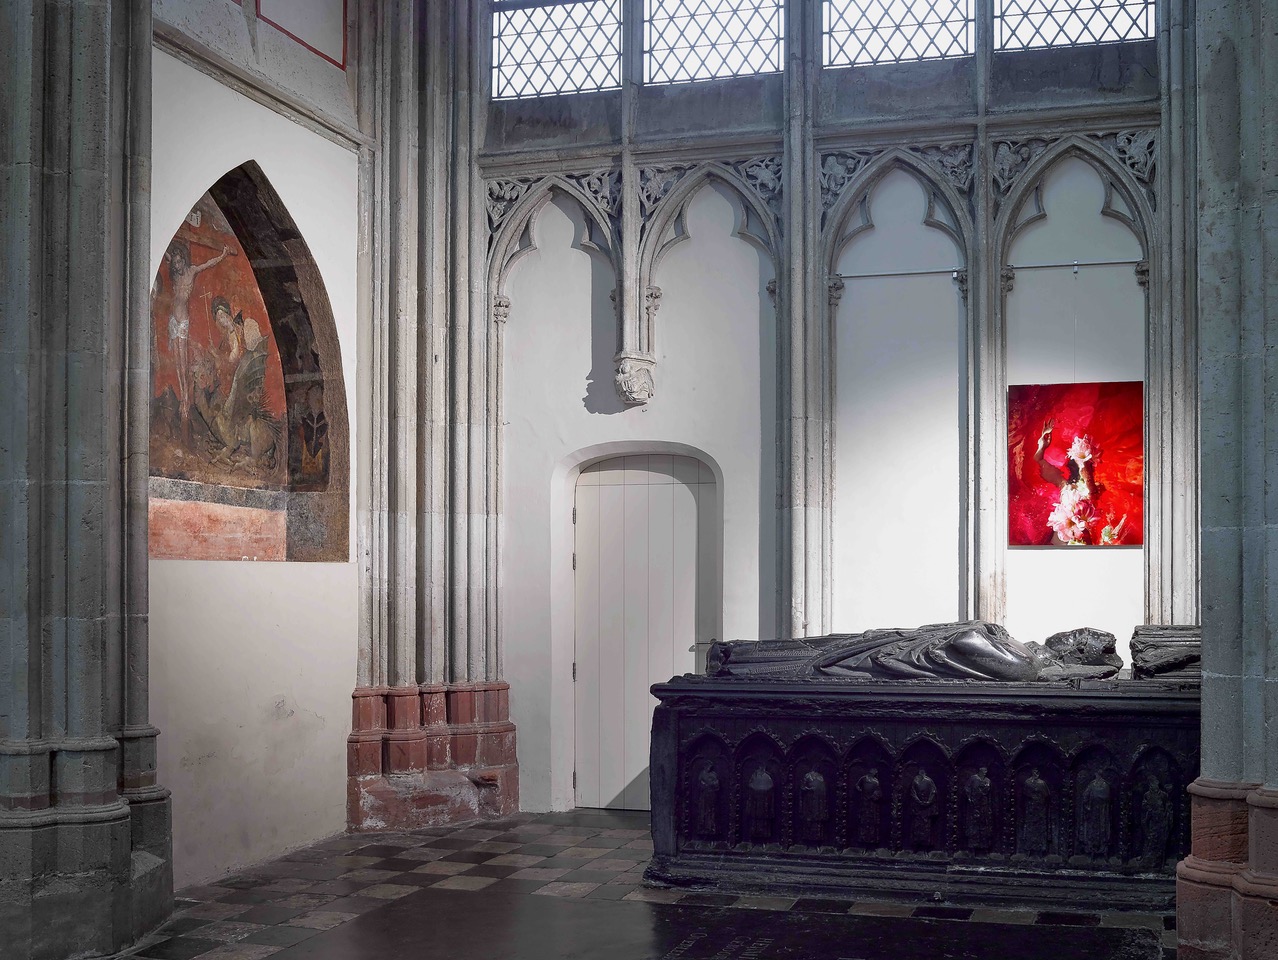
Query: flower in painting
x=1073, y=514
x=1080, y=451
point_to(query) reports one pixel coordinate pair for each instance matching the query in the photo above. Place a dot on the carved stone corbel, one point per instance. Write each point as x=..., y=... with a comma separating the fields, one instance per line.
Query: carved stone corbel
x=960, y=278
x=1142, y=273
x=1007, y=277
x=634, y=379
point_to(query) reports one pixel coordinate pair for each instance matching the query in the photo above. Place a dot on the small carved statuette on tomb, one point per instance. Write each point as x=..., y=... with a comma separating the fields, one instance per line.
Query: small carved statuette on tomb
x=814, y=808
x=871, y=796
x=1157, y=824
x=924, y=808
x=708, y=803
x=1036, y=797
x=978, y=791
x=1094, y=819
x=760, y=805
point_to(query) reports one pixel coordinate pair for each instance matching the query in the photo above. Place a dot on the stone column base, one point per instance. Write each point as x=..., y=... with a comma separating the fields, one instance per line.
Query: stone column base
x=82, y=882
x=425, y=756
x=1205, y=879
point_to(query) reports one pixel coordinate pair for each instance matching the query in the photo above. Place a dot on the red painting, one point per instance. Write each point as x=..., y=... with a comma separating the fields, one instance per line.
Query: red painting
x=1076, y=464
x=218, y=407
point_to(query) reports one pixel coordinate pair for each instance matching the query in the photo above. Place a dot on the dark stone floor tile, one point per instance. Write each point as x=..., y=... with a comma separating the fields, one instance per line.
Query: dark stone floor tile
x=626, y=853
x=1056, y=918
x=698, y=899
x=379, y=850
x=450, y=843
x=470, y=856
x=179, y=926
x=178, y=948
x=357, y=904
x=588, y=876
x=515, y=886
x=269, y=913
x=539, y=850
x=252, y=896
x=344, y=888
x=419, y=879
x=302, y=871
x=397, y=864
x=1169, y=922
x=280, y=936
x=244, y=882
x=484, y=870
x=817, y=905
x=944, y=913
x=612, y=891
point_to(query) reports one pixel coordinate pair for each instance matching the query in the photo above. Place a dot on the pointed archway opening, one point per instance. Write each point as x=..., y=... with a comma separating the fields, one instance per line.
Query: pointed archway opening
x=249, y=445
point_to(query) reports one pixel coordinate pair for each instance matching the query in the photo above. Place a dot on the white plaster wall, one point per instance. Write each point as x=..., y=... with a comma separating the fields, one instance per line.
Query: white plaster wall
x=252, y=664
x=715, y=348
x=899, y=420
x=1065, y=327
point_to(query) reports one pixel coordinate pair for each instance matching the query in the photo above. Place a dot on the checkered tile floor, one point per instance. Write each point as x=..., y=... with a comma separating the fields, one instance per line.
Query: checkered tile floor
x=586, y=854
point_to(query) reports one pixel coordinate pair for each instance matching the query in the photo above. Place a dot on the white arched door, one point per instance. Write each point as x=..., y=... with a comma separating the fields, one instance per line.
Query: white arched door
x=645, y=596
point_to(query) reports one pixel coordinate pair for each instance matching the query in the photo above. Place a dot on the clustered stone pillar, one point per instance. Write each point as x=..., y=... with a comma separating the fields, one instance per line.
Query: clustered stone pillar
x=85, y=840
x=431, y=738
x=1227, y=889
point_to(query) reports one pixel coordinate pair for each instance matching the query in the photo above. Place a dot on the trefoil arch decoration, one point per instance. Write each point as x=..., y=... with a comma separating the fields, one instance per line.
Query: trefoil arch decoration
x=665, y=191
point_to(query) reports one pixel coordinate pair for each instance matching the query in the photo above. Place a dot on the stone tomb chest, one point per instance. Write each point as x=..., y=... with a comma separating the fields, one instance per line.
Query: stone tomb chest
x=775, y=776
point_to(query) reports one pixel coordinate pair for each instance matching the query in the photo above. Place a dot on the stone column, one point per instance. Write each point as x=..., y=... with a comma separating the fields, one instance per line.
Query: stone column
x=85, y=848
x=431, y=741
x=1227, y=888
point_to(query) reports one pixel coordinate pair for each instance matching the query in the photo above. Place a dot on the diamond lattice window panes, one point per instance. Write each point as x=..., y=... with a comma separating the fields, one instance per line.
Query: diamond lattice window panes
x=555, y=47
x=1024, y=24
x=703, y=39
x=889, y=31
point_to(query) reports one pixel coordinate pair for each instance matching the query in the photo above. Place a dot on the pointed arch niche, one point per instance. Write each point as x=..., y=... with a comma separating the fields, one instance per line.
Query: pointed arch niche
x=249, y=445
x=898, y=322
x=1074, y=282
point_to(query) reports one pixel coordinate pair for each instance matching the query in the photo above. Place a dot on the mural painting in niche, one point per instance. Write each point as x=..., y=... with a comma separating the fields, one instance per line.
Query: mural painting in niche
x=1076, y=464
x=249, y=425
x=218, y=409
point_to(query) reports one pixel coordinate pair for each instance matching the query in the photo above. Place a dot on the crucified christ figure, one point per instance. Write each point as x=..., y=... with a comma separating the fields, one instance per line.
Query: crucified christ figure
x=182, y=276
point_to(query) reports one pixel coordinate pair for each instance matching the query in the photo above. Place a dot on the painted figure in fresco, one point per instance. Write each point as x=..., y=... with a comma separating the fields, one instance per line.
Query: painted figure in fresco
x=182, y=274
x=871, y=796
x=814, y=808
x=708, y=802
x=314, y=437
x=980, y=810
x=1076, y=518
x=1094, y=822
x=243, y=431
x=1035, y=798
x=924, y=809
x=760, y=805
x=1157, y=823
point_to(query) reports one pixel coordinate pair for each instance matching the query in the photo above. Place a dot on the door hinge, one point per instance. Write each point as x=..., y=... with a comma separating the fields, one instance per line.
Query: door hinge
x=574, y=561
x=574, y=514
x=574, y=779
x=574, y=671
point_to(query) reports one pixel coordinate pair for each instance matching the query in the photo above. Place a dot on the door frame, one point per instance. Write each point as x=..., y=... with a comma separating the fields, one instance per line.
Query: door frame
x=563, y=699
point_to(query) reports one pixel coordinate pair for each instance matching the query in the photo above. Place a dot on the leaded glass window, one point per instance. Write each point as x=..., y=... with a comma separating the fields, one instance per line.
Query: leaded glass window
x=1024, y=24
x=702, y=39
x=890, y=31
x=569, y=46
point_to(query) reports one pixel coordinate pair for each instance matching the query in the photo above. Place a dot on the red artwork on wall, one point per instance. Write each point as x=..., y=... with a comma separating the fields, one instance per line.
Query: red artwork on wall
x=1076, y=464
x=218, y=406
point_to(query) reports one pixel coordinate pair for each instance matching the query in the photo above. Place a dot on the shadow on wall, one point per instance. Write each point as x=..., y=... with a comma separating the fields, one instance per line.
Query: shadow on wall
x=249, y=445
